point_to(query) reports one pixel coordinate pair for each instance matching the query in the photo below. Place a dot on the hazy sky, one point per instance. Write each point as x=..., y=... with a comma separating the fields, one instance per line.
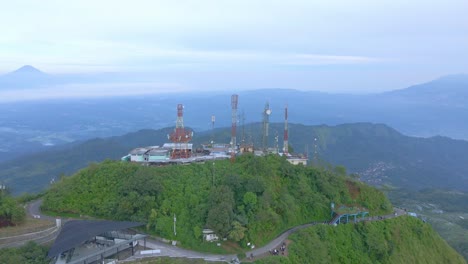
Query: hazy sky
x=329, y=45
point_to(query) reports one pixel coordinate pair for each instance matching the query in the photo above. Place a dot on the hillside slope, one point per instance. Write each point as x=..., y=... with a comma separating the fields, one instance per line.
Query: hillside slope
x=251, y=200
x=400, y=240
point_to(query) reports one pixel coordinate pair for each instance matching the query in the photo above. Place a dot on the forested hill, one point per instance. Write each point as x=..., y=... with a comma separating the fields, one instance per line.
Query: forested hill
x=399, y=240
x=251, y=200
x=377, y=152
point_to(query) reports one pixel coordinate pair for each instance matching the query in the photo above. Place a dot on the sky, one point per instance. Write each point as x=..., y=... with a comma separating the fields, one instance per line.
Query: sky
x=335, y=46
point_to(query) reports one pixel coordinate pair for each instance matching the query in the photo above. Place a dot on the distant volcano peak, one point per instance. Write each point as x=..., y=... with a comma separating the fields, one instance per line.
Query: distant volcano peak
x=28, y=69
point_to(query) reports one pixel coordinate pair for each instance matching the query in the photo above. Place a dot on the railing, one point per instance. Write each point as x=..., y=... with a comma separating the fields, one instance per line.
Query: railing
x=39, y=237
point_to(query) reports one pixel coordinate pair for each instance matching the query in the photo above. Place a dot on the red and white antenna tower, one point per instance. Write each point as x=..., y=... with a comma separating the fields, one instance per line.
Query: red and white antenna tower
x=180, y=136
x=234, y=99
x=285, y=147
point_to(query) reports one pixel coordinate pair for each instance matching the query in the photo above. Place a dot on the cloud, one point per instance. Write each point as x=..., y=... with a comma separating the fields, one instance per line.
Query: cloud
x=127, y=56
x=89, y=91
x=237, y=36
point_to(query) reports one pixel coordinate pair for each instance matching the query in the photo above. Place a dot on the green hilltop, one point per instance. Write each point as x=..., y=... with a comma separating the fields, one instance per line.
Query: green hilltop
x=252, y=200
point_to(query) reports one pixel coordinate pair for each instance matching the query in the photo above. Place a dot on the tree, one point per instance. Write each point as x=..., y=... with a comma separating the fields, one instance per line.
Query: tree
x=219, y=219
x=221, y=213
x=152, y=219
x=250, y=199
x=10, y=210
x=237, y=232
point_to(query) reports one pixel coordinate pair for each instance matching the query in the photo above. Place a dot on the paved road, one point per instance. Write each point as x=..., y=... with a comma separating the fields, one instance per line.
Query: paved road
x=277, y=242
x=174, y=251
x=33, y=209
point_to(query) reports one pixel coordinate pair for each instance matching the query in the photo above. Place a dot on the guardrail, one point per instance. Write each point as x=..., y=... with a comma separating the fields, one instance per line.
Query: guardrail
x=40, y=237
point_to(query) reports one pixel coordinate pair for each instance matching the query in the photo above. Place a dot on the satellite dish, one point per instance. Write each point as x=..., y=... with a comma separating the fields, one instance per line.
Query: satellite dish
x=268, y=111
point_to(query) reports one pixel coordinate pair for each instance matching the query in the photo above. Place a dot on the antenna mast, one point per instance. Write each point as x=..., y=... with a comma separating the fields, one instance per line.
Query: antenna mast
x=180, y=136
x=234, y=99
x=266, y=122
x=286, y=137
x=213, y=118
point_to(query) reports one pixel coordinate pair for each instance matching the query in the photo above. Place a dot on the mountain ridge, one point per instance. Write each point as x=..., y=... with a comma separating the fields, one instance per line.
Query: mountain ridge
x=378, y=153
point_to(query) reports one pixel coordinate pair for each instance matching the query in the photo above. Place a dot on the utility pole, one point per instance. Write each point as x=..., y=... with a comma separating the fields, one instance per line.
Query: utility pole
x=213, y=174
x=175, y=233
x=213, y=119
x=276, y=142
x=315, y=151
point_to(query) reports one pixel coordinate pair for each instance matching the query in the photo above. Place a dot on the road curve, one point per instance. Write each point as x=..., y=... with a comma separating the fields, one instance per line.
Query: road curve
x=33, y=209
x=275, y=243
x=174, y=251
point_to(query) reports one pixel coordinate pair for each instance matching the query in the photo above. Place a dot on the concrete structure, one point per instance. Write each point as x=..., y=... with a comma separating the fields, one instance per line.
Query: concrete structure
x=217, y=149
x=296, y=160
x=246, y=148
x=92, y=241
x=209, y=235
x=157, y=154
x=138, y=154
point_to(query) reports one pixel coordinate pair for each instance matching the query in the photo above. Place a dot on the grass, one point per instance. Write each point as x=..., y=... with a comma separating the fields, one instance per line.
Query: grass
x=66, y=215
x=450, y=226
x=30, y=225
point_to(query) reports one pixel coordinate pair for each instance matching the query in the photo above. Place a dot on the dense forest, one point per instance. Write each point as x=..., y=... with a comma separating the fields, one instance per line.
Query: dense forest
x=399, y=240
x=251, y=200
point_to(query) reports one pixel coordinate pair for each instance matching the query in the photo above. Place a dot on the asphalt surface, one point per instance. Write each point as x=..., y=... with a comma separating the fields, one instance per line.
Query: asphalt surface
x=277, y=242
x=33, y=209
x=174, y=251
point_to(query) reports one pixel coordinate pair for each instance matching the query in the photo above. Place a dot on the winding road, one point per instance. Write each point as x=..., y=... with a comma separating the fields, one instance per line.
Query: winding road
x=33, y=210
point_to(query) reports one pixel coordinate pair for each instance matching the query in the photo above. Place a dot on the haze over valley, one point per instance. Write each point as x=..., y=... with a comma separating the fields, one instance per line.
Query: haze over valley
x=424, y=110
x=233, y=131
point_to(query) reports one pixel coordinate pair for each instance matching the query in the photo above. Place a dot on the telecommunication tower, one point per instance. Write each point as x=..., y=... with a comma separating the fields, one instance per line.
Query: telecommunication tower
x=285, y=147
x=315, y=151
x=234, y=99
x=180, y=137
x=213, y=118
x=243, y=128
x=266, y=124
